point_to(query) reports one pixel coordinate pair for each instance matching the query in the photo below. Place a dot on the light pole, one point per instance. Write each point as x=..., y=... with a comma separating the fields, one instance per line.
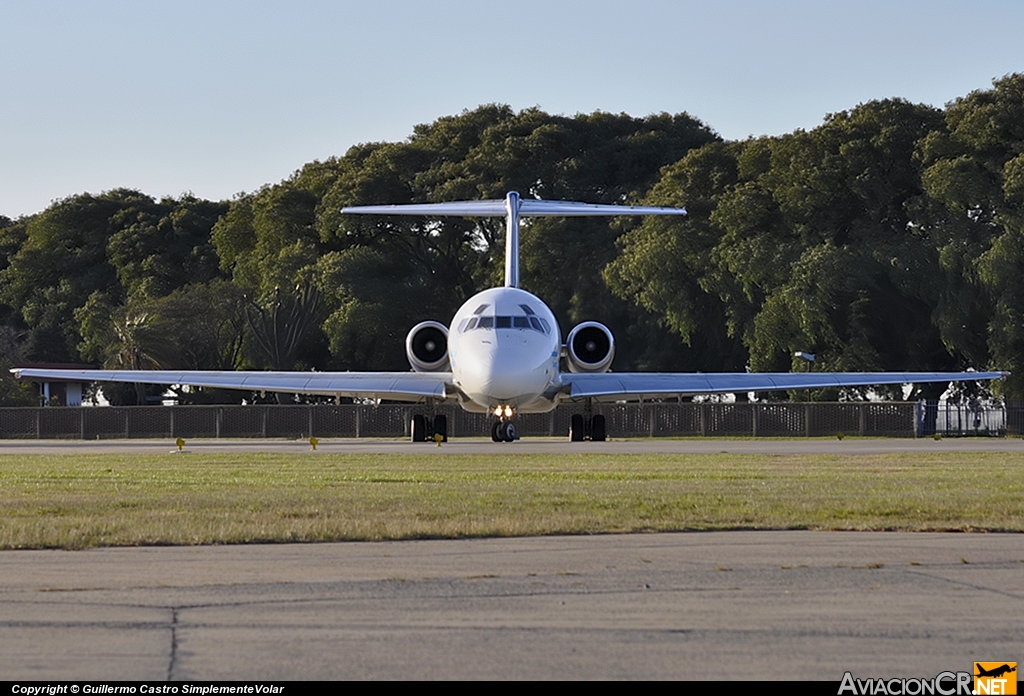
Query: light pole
x=809, y=357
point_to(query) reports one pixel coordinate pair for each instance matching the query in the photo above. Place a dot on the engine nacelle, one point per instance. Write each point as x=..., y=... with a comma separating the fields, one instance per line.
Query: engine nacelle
x=426, y=346
x=590, y=347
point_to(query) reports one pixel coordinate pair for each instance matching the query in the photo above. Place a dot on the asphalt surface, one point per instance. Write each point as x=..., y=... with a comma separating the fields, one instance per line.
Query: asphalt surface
x=715, y=605
x=753, y=605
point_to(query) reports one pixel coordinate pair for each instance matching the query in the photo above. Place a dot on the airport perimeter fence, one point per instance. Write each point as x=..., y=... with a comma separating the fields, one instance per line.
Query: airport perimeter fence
x=891, y=419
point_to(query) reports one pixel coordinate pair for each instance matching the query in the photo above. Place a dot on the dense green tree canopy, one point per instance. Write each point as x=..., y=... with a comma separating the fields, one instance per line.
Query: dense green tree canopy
x=890, y=237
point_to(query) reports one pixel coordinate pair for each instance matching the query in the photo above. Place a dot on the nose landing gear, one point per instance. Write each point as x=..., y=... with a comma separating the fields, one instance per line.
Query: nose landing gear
x=504, y=431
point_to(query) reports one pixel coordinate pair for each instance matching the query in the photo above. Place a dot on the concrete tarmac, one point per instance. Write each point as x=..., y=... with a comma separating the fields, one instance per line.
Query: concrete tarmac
x=725, y=605
x=709, y=605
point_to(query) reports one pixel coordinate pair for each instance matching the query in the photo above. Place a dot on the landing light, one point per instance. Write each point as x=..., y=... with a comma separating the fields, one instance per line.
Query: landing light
x=505, y=411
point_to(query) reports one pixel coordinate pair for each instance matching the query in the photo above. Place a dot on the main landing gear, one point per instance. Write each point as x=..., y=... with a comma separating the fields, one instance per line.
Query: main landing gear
x=425, y=429
x=587, y=428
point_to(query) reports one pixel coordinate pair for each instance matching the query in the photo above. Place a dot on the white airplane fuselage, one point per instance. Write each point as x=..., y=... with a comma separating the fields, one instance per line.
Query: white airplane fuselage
x=503, y=346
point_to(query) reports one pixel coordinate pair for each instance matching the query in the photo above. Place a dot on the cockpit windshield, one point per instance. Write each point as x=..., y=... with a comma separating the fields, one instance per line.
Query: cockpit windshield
x=530, y=322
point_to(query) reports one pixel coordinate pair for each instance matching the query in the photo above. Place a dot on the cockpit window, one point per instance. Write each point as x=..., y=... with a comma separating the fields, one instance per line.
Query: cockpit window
x=480, y=309
x=521, y=321
x=526, y=308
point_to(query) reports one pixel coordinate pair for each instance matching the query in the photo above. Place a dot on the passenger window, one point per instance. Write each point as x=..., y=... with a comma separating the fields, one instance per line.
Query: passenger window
x=503, y=322
x=521, y=322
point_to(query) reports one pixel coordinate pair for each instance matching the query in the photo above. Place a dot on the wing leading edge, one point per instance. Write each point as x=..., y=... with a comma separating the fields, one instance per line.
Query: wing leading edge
x=624, y=385
x=401, y=386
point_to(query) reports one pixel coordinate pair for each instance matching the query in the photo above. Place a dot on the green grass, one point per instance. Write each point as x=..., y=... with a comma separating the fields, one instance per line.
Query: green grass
x=77, y=501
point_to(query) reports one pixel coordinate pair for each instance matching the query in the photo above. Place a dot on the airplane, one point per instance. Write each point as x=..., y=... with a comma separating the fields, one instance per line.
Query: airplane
x=995, y=671
x=501, y=352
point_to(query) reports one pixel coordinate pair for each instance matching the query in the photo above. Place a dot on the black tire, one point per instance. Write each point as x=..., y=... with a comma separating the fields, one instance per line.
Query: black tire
x=597, y=429
x=508, y=432
x=418, y=428
x=441, y=427
x=496, y=431
x=576, y=428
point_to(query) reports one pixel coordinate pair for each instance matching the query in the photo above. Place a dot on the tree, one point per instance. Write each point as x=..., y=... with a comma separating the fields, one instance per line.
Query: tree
x=117, y=244
x=666, y=264
x=61, y=262
x=164, y=246
x=809, y=241
x=974, y=171
x=13, y=392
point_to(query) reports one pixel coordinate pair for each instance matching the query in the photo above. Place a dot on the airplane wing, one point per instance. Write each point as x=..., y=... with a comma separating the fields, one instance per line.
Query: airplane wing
x=400, y=386
x=626, y=385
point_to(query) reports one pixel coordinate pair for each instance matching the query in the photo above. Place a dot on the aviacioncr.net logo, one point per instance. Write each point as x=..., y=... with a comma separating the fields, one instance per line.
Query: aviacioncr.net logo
x=942, y=684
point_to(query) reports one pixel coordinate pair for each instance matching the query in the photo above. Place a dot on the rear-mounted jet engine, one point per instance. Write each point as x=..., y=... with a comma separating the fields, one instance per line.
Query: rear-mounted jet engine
x=426, y=346
x=590, y=348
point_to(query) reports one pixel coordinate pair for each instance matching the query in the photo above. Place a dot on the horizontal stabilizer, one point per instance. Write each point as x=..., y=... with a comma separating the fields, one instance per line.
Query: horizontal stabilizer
x=528, y=207
x=512, y=207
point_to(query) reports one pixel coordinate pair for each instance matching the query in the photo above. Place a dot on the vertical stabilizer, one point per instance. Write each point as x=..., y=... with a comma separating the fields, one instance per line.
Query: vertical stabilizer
x=512, y=240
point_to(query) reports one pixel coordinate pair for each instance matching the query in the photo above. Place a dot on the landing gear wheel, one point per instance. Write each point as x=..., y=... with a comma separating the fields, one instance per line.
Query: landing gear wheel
x=576, y=428
x=504, y=431
x=597, y=429
x=441, y=427
x=418, y=428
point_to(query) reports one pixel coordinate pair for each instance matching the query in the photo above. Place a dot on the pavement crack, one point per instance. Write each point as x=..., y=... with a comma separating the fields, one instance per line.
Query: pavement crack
x=971, y=585
x=174, y=643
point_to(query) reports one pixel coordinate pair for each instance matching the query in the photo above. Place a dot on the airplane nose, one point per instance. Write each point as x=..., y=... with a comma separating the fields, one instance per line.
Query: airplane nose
x=505, y=374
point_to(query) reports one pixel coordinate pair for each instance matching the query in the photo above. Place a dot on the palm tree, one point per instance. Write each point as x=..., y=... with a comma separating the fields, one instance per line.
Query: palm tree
x=139, y=342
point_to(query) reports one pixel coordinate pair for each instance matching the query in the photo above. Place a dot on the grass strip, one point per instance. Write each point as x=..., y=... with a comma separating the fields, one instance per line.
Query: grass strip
x=82, y=500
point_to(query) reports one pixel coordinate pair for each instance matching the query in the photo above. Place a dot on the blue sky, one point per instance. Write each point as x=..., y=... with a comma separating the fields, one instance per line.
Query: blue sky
x=219, y=96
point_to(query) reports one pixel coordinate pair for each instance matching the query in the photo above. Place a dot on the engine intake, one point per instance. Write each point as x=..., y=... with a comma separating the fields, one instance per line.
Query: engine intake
x=426, y=346
x=590, y=347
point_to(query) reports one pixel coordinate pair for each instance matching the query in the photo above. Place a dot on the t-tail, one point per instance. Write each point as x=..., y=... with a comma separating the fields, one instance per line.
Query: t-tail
x=512, y=207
